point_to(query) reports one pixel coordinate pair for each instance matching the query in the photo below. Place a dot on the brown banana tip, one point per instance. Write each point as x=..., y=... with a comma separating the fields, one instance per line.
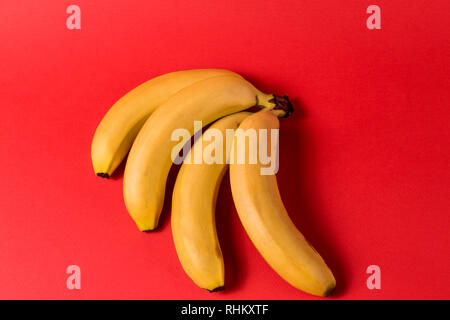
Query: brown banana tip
x=221, y=288
x=329, y=290
x=282, y=103
x=103, y=175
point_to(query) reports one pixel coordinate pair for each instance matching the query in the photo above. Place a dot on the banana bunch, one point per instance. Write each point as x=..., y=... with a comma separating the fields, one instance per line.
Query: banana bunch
x=142, y=123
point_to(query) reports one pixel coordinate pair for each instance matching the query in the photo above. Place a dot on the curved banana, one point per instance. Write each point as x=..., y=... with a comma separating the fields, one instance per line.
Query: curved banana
x=117, y=130
x=193, y=208
x=266, y=221
x=149, y=160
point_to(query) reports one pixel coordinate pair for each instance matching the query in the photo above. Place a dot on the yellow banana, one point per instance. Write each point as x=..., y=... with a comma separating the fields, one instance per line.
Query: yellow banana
x=149, y=160
x=117, y=130
x=193, y=208
x=266, y=221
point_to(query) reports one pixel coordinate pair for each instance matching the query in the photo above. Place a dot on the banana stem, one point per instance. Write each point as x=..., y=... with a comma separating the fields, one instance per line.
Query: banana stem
x=282, y=103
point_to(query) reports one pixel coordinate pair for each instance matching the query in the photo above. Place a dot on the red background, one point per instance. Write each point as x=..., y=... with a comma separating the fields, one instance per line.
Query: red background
x=364, y=163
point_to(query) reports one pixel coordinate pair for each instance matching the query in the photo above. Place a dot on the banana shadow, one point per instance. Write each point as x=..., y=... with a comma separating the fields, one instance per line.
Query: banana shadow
x=166, y=212
x=227, y=221
x=118, y=173
x=297, y=184
x=170, y=183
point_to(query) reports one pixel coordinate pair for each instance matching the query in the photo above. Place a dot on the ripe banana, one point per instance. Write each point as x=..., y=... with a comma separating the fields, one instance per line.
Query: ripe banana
x=193, y=209
x=117, y=130
x=149, y=160
x=266, y=221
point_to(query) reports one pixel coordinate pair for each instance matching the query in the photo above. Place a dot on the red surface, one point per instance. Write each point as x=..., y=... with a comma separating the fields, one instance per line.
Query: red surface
x=365, y=159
